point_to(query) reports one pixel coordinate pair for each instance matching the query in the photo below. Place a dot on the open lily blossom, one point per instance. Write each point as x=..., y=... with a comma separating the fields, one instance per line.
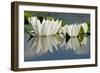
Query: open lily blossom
x=85, y=27
x=72, y=30
x=46, y=27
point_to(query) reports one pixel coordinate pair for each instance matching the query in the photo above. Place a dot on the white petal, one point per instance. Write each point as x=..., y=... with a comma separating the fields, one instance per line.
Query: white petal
x=58, y=27
x=38, y=27
x=64, y=29
x=44, y=28
x=53, y=25
x=85, y=27
x=32, y=20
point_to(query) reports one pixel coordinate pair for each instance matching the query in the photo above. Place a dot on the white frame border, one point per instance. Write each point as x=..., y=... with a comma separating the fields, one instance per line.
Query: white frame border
x=23, y=64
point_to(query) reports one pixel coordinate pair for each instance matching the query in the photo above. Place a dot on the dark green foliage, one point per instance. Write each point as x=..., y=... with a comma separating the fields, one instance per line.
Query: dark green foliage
x=26, y=20
x=27, y=28
x=40, y=18
x=88, y=23
x=26, y=15
x=67, y=37
x=80, y=38
x=81, y=31
x=63, y=23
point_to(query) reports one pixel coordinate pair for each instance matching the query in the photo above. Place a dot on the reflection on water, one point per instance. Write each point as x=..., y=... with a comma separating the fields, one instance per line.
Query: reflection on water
x=55, y=48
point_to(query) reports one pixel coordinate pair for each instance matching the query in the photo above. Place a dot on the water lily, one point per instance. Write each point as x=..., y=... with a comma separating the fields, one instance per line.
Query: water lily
x=85, y=27
x=45, y=27
x=72, y=30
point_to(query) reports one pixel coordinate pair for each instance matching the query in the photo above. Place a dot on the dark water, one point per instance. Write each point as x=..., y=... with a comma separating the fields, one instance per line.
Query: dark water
x=55, y=48
x=69, y=18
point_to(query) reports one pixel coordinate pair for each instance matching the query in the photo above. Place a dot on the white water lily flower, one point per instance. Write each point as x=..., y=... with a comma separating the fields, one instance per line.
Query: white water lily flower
x=85, y=27
x=72, y=30
x=46, y=27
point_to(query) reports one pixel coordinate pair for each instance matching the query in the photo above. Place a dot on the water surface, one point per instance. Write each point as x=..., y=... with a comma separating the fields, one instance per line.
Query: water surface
x=55, y=48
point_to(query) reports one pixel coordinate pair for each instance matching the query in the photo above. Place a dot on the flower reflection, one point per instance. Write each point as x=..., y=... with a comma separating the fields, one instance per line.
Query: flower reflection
x=84, y=48
x=38, y=46
x=41, y=45
x=73, y=44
